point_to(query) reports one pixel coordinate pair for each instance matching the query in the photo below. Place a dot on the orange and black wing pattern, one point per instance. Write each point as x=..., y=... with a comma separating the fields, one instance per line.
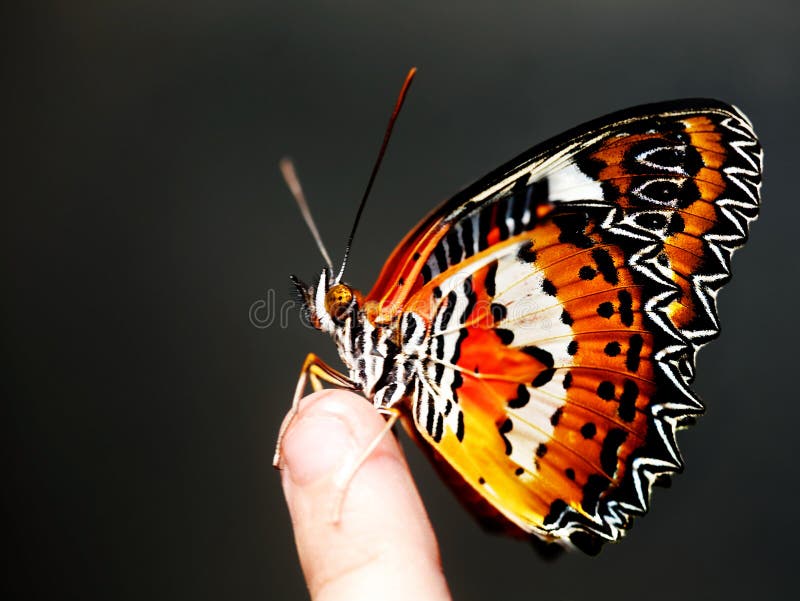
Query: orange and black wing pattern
x=564, y=298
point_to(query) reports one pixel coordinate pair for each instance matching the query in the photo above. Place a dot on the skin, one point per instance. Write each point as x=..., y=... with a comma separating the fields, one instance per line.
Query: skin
x=383, y=546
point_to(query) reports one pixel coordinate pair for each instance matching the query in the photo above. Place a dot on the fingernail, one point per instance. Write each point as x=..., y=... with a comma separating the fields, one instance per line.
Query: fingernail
x=315, y=447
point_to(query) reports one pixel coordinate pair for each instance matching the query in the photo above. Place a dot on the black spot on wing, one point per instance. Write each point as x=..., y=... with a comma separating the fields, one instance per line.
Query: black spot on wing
x=625, y=307
x=462, y=334
x=425, y=272
x=632, y=356
x=605, y=265
x=651, y=221
x=573, y=229
x=441, y=258
x=605, y=390
x=542, y=356
x=430, y=417
x=446, y=313
x=519, y=201
x=557, y=507
x=627, y=401
x=605, y=309
x=437, y=434
x=472, y=299
x=676, y=224
x=594, y=487
x=540, y=191
x=484, y=227
x=458, y=380
x=498, y=312
x=543, y=377
x=692, y=161
x=460, y=427
x=610, y=448
x=526, y=254
x=438, y=346
x=674, y=192
x=489, y=282
x=522, y=398
x=501, y=209
x=506, y=336
x=467, y=235
x=504, y=429
x=455, y=252
x=548, y=287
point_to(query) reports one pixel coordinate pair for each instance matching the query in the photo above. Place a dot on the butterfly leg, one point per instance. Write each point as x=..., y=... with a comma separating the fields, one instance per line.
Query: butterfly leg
x=314, y=371
x=346, y=476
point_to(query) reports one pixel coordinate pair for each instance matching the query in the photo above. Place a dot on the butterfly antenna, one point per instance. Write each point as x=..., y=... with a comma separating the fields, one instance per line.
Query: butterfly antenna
x=397, y=106
x=290, y=176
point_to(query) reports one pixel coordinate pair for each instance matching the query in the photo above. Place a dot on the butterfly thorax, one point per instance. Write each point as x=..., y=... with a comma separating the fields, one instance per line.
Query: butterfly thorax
x=377, y=358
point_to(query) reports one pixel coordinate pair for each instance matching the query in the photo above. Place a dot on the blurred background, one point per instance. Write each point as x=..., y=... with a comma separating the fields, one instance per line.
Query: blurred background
x=143, y=215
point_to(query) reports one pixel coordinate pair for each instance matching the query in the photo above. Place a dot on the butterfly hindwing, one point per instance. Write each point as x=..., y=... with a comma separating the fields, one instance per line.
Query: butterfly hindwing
x=563, y=299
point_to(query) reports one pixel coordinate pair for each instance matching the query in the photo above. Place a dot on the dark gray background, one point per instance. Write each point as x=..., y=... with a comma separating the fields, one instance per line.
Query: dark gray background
x=143, y=214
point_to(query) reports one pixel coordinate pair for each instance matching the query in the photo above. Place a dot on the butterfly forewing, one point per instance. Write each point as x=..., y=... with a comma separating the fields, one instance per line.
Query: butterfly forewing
x=563, y=299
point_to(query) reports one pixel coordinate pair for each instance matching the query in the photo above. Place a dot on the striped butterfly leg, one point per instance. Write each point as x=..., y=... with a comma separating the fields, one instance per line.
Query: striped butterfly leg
x=315, y=371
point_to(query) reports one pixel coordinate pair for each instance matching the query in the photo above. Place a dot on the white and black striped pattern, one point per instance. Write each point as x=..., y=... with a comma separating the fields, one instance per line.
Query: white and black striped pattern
x=678, y=348
x=512, y=212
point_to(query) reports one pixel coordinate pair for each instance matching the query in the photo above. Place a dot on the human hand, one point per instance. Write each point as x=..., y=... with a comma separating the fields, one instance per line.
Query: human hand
x=383, y=546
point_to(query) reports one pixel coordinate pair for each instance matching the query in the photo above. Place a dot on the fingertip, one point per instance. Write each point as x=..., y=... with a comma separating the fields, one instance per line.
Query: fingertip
x=321, y=435
x=383, y=522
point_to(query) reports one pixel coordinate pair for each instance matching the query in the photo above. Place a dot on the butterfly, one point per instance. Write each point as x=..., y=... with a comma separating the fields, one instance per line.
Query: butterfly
x=537, y=333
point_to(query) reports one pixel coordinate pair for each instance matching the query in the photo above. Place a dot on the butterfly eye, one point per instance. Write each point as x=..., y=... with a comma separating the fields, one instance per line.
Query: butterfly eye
x=338, y=300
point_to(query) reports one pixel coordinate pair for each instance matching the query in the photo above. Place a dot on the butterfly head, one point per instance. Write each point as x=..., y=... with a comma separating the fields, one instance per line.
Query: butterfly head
x=329, y=304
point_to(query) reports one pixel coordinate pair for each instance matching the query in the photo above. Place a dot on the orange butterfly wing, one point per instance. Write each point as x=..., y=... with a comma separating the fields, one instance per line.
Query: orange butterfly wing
x=565, y=297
